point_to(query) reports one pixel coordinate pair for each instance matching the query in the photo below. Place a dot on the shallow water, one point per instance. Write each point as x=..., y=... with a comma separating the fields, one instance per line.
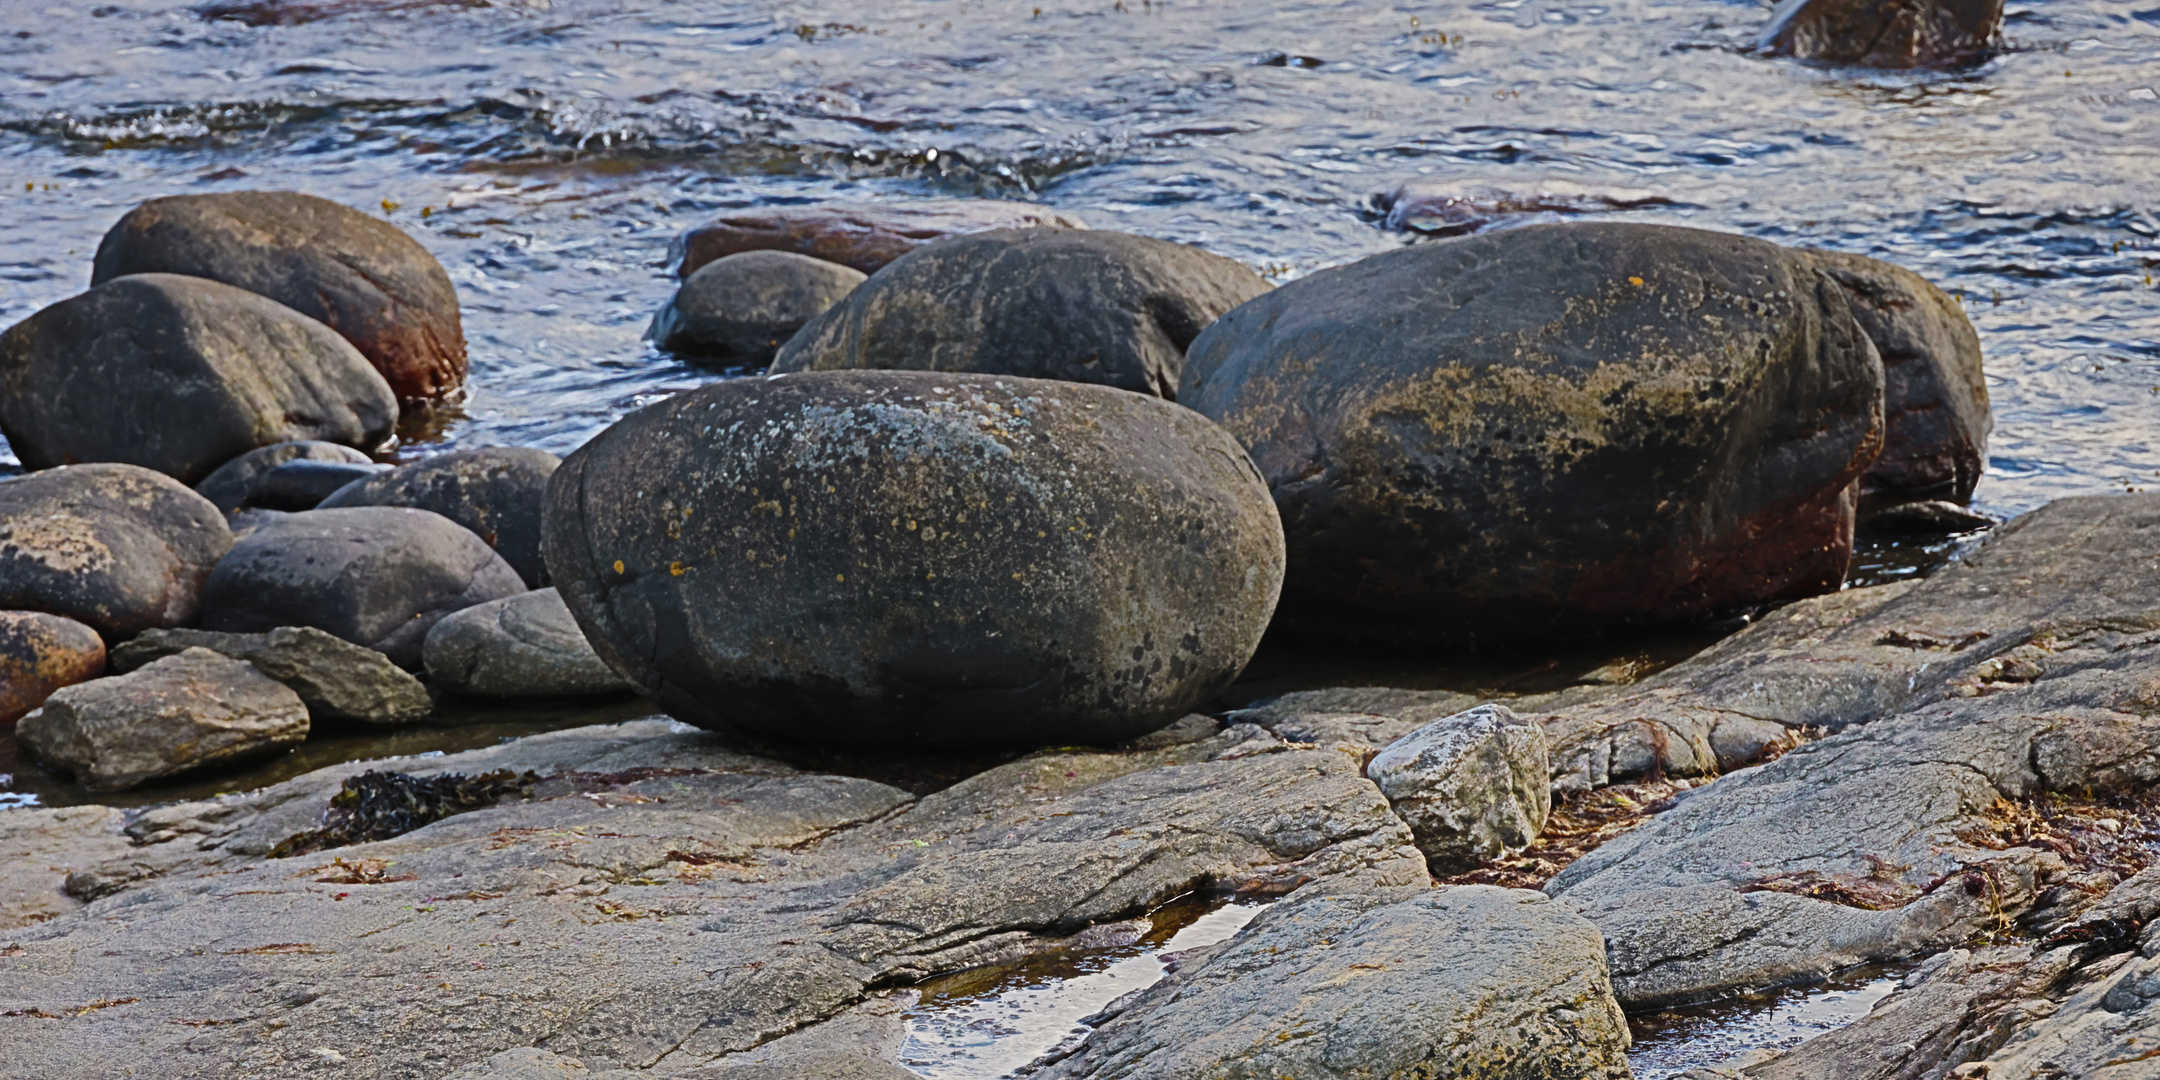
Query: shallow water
x=1670, y=1043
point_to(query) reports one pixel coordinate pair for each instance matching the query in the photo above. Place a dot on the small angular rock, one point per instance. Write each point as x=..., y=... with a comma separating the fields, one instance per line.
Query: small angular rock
x=342, y=683
x=179, y=714
x=1473, y=786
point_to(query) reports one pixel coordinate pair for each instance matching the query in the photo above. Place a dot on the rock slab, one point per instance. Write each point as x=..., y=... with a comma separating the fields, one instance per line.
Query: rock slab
x=181, y=713
x=496, y=492
x=742, y=308
x=526, y=645
x=119, y=548
x=340, y=682
x=1473, y=786
x=41, y=653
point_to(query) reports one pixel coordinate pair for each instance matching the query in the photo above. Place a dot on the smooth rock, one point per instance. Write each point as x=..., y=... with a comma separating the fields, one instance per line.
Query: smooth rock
x=379, y=576
x=177, y=715
x=41, y=653
x=742, y=308
x=1429, y=207
x=340, y=682
x=1883, y=33
x=119, y=548
x=1472, y=786
x=303, y=485
x=495, y=491
x=1083, y=306
x=526, y=645
x=862, y=235
x=1550, y=429
x=229, y=485
x=181, y=375
x=902, y=558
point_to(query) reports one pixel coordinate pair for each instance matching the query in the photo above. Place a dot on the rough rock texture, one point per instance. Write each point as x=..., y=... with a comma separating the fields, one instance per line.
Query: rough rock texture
x=1883, y=33
x=494, y=491
x=1550, y=429
x=741, y=309
x=905, y=558
x=526, y=645
x=116, y=547
x=229, y=485
x=1471, y=982
x=40, y=846
x=862, y=235
x=1097, y=307
x=303, y=485
x=41, y=653
x=532, y=1063
x=179, y=714
x=379, y=576
x=1473, y=786
x=358, y=275
x=341, y=683
x=181, y=375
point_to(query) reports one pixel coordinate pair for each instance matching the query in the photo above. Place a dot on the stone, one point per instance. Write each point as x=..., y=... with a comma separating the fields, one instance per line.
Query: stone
x=1550, y=429
x=41, y=653
x=526, y=645
x=356, y=274
x=1096, y=307
x=1473, y=786
x=118, y=548
x=378, y=576
x=862, y=235
x=303, y=485
x=228, y=486
x=1428, y=207
x=902, y=558
x=177, y=715
x=341, y=683
x=1471, y=982
x=180, y=375
x=495, y=491
x=1883, y=33
x=1934, y=517
x=742, y=308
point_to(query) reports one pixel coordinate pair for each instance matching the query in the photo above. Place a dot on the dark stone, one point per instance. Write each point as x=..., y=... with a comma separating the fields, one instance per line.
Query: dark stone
x=379, y=576
x=181, y=375
x=1932, y=518
x=298, y=12
x=910, y=559
x=1097, y=307
x=741, y=309
x=1550, y=429
x=303, y=485
x=228, y=487
x=178, y=715
x=862, y=235
x=496, y=492
x=361, y=276
x=1883, y=33
x=41, y=653
x=526, y=645
x=119, y=548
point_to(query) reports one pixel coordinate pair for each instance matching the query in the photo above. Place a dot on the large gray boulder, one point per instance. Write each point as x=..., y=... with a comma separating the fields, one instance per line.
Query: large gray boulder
x=495, y=491
x=741, y=309
x=1550, y=429
x=1473, y=786
x=341, y=683
x=378, y=576
x=526, y=645
x=41, y=653
x=903, y=558
x=119, y=548
x=1883, y=33
x=182, y=713
x=229, y=486
x=1086, y=306
x=355, y=273
x=181, y=375
x=863, y=235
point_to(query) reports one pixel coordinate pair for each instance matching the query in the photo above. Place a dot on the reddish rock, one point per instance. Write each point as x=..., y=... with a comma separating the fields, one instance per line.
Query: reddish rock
x=41, y=653
x=1883, y=33
x=864, y=235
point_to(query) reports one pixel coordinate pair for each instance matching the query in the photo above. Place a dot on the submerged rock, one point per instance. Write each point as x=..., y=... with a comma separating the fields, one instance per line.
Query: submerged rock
x=741, y=309
x=494, y=491
x=1096, y=307
x=41, y=653
x=119, y=548
x=1473, y=786
x=1454, y=208
x=1883, y=33
x=900, y=558
x=526, y=645
x=181, y=375
x=229, y=485
x=341, y=683
x=179, y=714
x=862, y=235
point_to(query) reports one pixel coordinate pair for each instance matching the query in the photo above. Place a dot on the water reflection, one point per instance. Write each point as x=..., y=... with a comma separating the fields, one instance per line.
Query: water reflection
x=1669, y=1043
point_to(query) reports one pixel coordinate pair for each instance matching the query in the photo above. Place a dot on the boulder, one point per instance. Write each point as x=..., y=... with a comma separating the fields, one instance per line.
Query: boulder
x=229, y=485
x=1473, y=786
x=526, y=645
x=342, y=684
x=862, y=235
x=117, y=547
x=496, y=492
x=1471, y=981
x=902, y=558
x=181, y=375
x=303, y=485
x=1096, y=307
x=1883, y=33
x=360, y=276
x=41, y=653
x=379, y=576
x=177, y=715
x=1549, y=430
x=741, y=309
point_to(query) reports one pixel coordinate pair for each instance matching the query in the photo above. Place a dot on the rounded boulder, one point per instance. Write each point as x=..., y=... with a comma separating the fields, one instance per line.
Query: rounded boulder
x=41, y=653
x=741, y=309
x=229, y=486
x=118, y=548
x=900, y=558
x=494, y=491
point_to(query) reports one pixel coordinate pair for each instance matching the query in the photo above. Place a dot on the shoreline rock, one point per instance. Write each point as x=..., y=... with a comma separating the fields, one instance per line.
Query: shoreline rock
x=742, y=308
x=40, y=654
x=120, y=548
x=528, y=645
x=496, y=492
x=340, y=683
x=180, y=714
x=862, y=235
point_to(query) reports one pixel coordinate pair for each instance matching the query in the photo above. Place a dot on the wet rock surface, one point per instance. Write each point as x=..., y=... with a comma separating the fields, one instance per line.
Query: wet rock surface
x=496, y=492
x=861, y=235
x=229, y=485
x=361, y=277
x=340, y=682
x=41, y=653
x=526, y=645
x=1473, y=786
x=1083, y=306
x=1453, y=208
x=181, y=713
x=180, y=374
x=742, y=308
x=1884, y=33
x=119, y=548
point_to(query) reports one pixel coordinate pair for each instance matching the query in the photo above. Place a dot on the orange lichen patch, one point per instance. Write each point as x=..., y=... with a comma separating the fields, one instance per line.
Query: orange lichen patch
x=1575, y=827
x=622, y=912
x=356, y=872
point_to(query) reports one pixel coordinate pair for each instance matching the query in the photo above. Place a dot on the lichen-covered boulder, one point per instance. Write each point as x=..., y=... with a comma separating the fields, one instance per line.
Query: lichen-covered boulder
x=526, y=645
x=861, y=235
x=1083, y=306
x=917, y=559
x=1550, y=429
x=182, y=713
x=181, y=375
x=495, y=491
x=228, y=487
x=118, y=548
x=1883, y=33
x=357, y=274
x=741, y=309
x=1475, y=785
x=41, y=653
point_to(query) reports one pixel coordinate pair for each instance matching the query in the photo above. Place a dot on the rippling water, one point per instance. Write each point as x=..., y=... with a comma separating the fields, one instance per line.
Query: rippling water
x=547, y=149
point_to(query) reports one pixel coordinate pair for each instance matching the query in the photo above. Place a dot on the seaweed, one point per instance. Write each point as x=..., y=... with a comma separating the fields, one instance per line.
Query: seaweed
x=378, y=805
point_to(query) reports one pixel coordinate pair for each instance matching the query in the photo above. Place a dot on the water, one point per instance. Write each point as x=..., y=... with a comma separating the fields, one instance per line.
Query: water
x=1670, y=1043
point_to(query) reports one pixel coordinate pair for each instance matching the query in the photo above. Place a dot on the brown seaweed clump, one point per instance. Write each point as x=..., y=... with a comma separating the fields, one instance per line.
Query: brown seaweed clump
x=378, y=805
